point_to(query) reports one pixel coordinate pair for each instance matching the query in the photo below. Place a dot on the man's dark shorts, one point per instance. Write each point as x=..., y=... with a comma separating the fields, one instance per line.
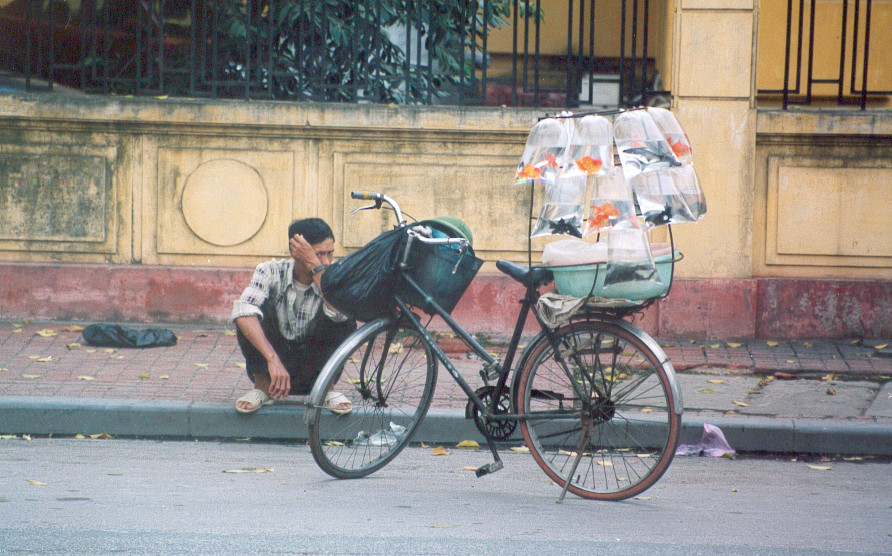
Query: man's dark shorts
x=303, y=358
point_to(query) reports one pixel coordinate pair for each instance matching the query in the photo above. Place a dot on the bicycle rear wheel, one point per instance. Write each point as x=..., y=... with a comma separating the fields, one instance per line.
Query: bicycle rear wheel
x=388, y=373
x=601, y=412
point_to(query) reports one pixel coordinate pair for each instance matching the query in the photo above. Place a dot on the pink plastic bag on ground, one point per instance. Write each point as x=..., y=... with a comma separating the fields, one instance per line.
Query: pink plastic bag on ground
x=712, y=444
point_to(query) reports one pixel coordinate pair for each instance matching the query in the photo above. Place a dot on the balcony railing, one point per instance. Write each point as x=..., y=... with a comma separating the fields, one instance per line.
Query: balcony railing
x=388, y=51
x=834, y=51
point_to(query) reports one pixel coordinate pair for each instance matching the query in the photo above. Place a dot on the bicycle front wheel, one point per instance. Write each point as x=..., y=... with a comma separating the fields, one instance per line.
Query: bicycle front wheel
x=600, y=411
x=388, y=373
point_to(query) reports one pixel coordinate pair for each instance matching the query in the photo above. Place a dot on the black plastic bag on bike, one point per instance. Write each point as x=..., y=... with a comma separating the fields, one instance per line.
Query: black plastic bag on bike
x=361, y=285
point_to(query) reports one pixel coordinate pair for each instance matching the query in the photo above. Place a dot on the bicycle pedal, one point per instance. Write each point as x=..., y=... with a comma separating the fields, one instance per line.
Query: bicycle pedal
x=490, y=468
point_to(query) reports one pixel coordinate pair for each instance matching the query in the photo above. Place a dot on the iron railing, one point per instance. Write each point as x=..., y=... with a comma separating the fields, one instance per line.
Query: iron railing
x=847, y=49
x=403, y=51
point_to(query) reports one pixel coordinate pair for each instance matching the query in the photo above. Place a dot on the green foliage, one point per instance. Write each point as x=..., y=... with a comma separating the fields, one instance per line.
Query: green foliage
x=349, y=50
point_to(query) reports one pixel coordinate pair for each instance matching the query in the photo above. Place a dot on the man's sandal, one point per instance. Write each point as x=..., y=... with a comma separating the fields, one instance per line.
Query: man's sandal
x=257, y=399
x=335, y=402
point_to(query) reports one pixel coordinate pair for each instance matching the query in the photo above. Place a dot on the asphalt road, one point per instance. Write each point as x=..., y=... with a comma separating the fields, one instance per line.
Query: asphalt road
x=176, y=497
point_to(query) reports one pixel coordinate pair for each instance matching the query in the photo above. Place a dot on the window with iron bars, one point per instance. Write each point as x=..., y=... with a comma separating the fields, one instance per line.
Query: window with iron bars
x=489, y=52
x=833, y=53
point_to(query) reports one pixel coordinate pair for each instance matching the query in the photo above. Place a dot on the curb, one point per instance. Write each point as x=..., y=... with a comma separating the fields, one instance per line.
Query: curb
x=284, y=421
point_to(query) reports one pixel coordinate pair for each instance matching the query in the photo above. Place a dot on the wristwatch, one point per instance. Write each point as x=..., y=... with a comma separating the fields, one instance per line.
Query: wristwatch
x=317, y=269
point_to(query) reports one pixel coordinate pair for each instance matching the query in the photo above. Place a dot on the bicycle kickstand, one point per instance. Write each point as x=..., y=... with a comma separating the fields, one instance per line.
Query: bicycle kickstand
x=583, y=440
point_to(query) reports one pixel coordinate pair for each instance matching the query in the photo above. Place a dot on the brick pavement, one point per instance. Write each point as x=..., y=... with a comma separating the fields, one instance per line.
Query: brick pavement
x=51, y=359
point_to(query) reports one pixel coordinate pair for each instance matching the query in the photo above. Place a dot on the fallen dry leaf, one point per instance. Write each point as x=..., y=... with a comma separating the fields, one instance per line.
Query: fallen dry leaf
x=229, y=332
x=101, y=435
x=520, y=449
x=27, y=437
x=467, y=444
x=143, y=376
x=819, y=467
x=201, y=365
x=4, y=370
x=164, y=377
x=829, y=376
x=241, y=365
x=109, y=350
x=116, y=356
x=79, y=436
x=92, y=350
x=85, y=377
x=734, y=344
x=73, y=345
x=741, y=404
x=831, y=391
x=469, y=468
x=249, y=470
x=707, y=391
x=440, y=451
x=771, y=344
x=73, y=328
x=715, y=381
x=807, y=344
x=46, y=333
x=881, y=346
x=31, y=376
x=38, y=483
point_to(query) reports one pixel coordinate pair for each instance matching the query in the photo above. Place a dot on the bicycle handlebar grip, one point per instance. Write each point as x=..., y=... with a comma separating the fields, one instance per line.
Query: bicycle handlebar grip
x=365, y=195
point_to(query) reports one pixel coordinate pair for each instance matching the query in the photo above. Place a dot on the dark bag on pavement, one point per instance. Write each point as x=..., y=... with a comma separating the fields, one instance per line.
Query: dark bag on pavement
x=115, y=335
x=361, y=285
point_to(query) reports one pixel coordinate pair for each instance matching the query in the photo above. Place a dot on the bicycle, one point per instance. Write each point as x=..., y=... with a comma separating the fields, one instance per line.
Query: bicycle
x=596, y=398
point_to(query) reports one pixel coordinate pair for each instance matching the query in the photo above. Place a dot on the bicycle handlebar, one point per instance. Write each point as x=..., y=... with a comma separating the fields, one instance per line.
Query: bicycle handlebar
x=379, y=198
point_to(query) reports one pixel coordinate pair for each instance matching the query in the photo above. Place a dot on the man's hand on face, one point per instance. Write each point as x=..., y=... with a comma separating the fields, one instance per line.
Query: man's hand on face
x=303, y=253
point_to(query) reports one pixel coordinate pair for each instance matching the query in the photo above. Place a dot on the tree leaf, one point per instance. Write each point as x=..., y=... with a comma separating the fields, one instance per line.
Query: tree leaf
x=819, y=467
x=143, y=376
x=46, y=332
x=85, y=377
x=201, y=365
x=771, y=343
x=707, y=391
x=520, y=449
x=734, y=344
x=715, y=381
x=467, y=444
x=73, y=345
x=38, y=483
x=101, y=436
x=440, y=451
x=73, y=328
x=31, y=376
x=741, y=404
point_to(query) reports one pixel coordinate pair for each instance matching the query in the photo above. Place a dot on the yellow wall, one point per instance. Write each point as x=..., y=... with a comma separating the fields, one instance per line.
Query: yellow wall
x=215, y=183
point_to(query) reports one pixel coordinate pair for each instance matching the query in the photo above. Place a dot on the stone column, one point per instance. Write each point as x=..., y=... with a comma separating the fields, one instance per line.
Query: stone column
x=713, y=81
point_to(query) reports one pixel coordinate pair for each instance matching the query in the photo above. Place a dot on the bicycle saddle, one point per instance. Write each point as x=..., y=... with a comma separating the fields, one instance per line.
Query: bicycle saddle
x=535, y=276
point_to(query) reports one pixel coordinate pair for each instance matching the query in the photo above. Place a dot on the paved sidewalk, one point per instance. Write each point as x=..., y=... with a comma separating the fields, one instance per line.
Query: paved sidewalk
x=777, y=396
